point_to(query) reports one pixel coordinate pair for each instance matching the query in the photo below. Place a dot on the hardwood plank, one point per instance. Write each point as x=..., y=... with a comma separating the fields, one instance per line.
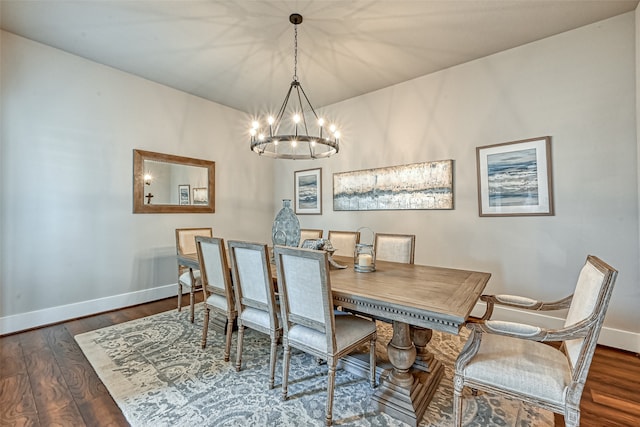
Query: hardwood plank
x=17, y=406
x=617, y=402
x=11, y=357
x=79, y=376
x=53, y=399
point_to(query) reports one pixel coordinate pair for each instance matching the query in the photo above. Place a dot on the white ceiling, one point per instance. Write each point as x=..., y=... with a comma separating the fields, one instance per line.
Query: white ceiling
x=240, y=53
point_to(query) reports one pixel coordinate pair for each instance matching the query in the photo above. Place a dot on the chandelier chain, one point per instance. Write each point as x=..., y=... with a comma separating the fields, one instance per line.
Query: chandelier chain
x=295, y=53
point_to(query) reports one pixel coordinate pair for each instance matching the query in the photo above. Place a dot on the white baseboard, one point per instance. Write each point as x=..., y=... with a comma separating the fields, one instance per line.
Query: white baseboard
x=47, y=316
x=610, y=337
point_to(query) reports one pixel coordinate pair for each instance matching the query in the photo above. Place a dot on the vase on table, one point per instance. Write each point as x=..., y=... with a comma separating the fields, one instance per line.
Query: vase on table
x=286, y=227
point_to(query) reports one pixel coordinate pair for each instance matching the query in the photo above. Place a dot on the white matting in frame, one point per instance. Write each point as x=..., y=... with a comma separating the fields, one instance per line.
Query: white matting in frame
x=514, y=178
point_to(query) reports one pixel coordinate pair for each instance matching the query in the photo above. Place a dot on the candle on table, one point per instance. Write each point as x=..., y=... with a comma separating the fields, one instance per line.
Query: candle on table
x=365, y=260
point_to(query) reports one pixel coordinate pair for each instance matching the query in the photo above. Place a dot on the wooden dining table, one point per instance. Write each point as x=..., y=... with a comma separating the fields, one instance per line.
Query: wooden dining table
x=416, y=299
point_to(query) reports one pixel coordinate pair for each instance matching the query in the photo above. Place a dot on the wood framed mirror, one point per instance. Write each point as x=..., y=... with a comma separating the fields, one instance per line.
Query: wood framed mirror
x=164, y=183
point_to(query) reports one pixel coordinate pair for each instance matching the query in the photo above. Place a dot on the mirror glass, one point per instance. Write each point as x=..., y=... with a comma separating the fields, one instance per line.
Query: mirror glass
x=164, y=183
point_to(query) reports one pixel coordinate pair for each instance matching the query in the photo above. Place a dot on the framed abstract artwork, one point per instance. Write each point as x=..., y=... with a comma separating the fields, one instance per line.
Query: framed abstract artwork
x=514, y=178
x=308, y=192
x=427, y=185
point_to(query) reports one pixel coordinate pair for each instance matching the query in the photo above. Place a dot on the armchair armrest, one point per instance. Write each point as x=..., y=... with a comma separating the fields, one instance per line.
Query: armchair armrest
x=531, y=332
x=522, y=303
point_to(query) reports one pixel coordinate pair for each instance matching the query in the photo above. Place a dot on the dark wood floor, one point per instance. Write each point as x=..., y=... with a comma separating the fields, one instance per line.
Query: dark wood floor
x=45, y=379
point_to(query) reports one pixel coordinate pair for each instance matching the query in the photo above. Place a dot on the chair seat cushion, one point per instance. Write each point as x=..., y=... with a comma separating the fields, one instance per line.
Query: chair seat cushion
x=185, y=278
x=217, y=301
x=254, y=317
x=349, y=330
x=521, y=366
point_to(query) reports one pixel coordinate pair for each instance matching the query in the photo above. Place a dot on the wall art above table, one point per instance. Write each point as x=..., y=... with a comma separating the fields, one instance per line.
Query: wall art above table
x=427, y=185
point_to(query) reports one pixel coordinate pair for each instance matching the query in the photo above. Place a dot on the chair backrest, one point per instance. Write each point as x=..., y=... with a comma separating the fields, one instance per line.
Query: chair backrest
x=185, y=239
x=590, y=300
x=214, y=269
x=305, y=291
x=395, y=247
x=251, y=272
x=344, y=242
x=309, y=233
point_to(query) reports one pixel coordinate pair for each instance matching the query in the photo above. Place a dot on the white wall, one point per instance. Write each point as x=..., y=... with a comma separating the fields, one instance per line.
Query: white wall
x=70, y=242
x=577, y=87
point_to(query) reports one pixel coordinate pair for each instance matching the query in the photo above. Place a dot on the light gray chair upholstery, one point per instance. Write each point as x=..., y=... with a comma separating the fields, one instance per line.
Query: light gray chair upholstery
x=255, y=297
x=309, y=233
x=308, y=318
x=216, y=285
x=344, y=242
x=511, y=359
x=188, y=277
x=395, y=247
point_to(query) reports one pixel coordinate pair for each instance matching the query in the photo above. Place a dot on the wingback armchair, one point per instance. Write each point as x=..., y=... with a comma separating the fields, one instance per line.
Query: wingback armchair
x=513, y=360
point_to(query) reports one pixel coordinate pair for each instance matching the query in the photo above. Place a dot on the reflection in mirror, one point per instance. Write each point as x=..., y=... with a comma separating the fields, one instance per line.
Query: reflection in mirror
x=164, y=183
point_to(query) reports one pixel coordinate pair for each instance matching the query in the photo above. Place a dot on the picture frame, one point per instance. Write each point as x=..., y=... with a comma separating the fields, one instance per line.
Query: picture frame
x=184, y=191
x=200, y=196
x=308, y=192
x=415, y=186
x=515, y=179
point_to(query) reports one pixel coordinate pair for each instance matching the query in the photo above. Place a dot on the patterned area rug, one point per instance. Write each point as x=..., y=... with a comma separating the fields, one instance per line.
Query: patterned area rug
x=159, y=376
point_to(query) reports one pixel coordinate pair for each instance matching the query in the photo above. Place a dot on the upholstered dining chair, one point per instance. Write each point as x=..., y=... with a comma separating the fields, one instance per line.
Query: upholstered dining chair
x=344, y=242
x=395, y=247
x=512, y=359
x=309, y=323
x=255, y=297
x=216, y=286
x=188, y=277
x=309, y=233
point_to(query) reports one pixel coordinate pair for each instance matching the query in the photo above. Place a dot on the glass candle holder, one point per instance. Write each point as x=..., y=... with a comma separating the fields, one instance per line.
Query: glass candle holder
x=364, y=258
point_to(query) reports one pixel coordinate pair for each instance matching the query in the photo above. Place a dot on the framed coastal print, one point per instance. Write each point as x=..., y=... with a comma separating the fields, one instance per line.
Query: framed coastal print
x=514, y=178
x=183, y=194
x=200, y=196
x=308, y=191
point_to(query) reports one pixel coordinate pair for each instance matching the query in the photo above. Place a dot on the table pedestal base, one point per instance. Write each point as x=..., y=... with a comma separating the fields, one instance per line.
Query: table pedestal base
x=408, y=404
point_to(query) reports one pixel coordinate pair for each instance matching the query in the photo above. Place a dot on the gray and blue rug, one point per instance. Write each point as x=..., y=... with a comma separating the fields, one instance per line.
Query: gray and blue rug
x=159, y=376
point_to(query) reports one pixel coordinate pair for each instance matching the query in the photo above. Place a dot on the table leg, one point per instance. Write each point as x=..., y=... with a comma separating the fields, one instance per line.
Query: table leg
x=424, y=358
x=405, y=393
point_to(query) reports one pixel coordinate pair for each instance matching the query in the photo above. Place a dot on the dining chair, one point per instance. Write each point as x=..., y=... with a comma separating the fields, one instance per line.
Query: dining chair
x=216, y=286
x=344, y=242
x=395, y=247
x=513, y=360
x=188, y=277
x=309, y=233
x=308, y=319
x=255, y=297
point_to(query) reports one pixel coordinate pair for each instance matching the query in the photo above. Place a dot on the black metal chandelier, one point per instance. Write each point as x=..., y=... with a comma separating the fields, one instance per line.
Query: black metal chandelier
x=289, y=137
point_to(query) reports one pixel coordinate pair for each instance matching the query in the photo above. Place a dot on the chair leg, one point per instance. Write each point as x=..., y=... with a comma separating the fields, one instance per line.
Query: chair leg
x=227, y=347
x=192, y=304
x=179, y=296
x=272, y=360
x=571, y=417
x=372, y=362
x=457, y=400
x=285, y=369
x=205, y=327
x=239, y=349
x=331, y=380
